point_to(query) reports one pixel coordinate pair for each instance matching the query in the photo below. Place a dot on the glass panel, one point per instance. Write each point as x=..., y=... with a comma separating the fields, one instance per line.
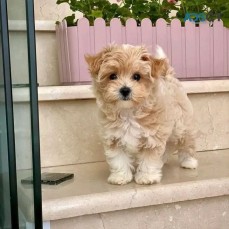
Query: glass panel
x=18, y=42
x=17, y=199
x=21, y=100
x=5, y=213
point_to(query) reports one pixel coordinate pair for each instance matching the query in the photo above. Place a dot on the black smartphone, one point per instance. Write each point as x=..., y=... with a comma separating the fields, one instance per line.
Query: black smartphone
x=50, y=178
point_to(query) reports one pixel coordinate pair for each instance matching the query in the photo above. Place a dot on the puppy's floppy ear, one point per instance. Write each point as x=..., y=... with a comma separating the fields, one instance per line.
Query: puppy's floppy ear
x=94, y=61
x=159, y=62
x=159, y=67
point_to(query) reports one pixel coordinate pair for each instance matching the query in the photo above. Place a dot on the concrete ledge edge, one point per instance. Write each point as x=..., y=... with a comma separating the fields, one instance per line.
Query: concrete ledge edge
x=85, y=91
x=139, y=197
x=20, y=25
x=75, y=92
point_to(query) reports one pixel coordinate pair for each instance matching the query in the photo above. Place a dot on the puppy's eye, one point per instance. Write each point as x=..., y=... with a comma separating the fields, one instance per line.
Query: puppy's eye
x=113, y=76
x=136, y=77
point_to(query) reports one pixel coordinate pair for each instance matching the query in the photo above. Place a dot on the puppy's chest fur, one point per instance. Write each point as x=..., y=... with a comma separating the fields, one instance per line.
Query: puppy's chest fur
x=129, y=134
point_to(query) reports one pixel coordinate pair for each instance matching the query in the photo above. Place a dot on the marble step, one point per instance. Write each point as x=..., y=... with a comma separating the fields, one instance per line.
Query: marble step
x=69, y=125
x=69, y=131
x=184, y=198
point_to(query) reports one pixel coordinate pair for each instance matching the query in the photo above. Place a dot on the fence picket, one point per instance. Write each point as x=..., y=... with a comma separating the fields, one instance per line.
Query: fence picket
x=65, y=57
x=59, y=52
x=183, y=50
x=92, y=39
x=161, y=34
x=218, y=48
x=197, y=31
x=190, y=46
x=193, y=51
x=176, y=43
x=124, y=35
x=139, y=37
x=146, y=34
x=84, y=48
x=108, y=32
x=116, y=31
x=169, y=46
x=100, y=34
x=73, y=58
x=131, y=32
x=206, y=58
x=154, y=41
x=225, y=51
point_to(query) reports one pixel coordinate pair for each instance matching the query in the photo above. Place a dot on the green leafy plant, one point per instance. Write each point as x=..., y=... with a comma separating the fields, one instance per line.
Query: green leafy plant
x=152, y=9
x=213, y=9
x=124, y=9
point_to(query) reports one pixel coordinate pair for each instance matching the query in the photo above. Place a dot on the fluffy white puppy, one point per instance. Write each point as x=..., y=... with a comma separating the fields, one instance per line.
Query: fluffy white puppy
x=143, y=110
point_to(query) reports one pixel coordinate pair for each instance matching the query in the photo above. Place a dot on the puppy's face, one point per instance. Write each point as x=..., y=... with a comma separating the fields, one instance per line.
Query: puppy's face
x=124, y=75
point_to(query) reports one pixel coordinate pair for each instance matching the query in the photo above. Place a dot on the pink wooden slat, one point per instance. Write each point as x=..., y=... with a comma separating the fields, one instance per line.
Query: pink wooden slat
x=176, y=43
x=116, y=31
x=84, y=48
x=197, y=32
x=161, y=34
x=65, y=40
x=73, y=53
x=124, y=35
x=169, y=47
x=218, y=48
x=139, y=37
x=154, y=38
x=183, y=52
x=100, y=34
x=63, y=60
x=131, y=32
x=58, y=39
x=146, y=34
x=92, y=39
x=212, y=50
x=65, y=78
x=206, y=58
x=108, y=32
x=225, y=53
x=190, y=47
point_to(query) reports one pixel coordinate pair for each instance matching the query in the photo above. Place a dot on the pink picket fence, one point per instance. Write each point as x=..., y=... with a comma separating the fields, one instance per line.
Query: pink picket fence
x=195, y=52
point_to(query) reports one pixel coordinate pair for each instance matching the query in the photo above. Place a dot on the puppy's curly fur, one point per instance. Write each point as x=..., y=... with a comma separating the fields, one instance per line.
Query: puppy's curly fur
x=143, y=111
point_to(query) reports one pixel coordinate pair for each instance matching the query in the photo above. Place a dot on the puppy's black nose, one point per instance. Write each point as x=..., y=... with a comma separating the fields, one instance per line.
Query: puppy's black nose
x=125, y=91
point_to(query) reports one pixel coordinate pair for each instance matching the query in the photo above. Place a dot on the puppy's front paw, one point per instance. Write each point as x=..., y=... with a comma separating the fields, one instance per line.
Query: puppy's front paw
x=120, y=178
x=189, y=163
x=148, y=178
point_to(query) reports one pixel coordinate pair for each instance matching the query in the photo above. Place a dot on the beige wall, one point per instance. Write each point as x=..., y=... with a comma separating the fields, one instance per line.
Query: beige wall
x=49, y=10
x=70, y=134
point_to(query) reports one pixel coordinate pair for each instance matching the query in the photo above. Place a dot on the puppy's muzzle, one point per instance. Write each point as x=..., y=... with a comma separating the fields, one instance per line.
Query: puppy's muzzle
x=125, y=92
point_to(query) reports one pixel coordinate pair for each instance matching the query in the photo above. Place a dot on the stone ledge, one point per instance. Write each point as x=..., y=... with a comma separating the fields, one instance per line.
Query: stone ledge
x=20, y=25
x=74, y=92
x=89, y=193
x=85, y=91
x=65, y=92
x=126, y=199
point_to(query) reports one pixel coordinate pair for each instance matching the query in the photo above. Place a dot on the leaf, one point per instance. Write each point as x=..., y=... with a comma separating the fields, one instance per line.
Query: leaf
x=62, y=1
x=139, y=9
x=71, y=20
x=96, y=13
x=226, y=22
